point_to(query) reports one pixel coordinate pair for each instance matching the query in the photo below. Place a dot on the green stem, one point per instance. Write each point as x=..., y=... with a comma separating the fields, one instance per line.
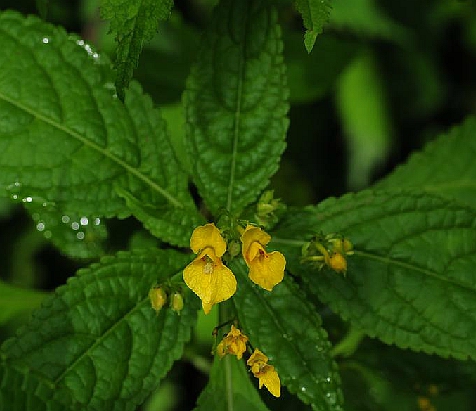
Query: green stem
x=287, y=241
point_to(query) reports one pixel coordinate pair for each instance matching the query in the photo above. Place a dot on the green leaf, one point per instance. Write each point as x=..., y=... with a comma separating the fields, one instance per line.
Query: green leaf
x=98, y=341
x=66, y=140
x=77, y=236
x=315, y=14
x=362, y=104
x=236, y=105
x=171, y=225
x=410, y=281
x=445, y=166
x=174, y=116
x=133, y=22
x=229, y=388
x=16, y=300
x=289, y=331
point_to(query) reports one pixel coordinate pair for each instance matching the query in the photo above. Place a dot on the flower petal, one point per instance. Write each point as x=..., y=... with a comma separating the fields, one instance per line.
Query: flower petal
x=207, y=236
x=210, y=280
x=267, y=270
x=222, y=284
x=250, y=235
x=257, y=358
x=270, y=379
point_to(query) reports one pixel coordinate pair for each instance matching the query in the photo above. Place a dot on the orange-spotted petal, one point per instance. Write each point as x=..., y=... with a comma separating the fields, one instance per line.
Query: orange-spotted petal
x=251, y=238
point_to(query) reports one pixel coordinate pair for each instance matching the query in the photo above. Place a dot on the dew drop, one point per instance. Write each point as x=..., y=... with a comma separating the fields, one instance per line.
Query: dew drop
x=40, y=226
x=27, y=199
x=84, y=221
x=75, y=225
x=47, y=234
x=46, y=40
x=80, y=235
x=97, y=221
x=65, y=219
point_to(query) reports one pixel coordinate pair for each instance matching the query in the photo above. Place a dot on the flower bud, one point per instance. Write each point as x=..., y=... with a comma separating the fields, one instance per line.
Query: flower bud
x=177, y=302
x=158, y=298
x=338, y=262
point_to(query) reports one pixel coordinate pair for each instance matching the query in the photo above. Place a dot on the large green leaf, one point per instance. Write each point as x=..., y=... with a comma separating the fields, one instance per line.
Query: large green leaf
x=65, y=140
x=97, y=342
x=77, y=236
x=445, y=167
x=229, y=388
x=133, y=22
x=236, y=105
x=315, y=14
x=289, y=331
x=411, y=281
x=175, y=226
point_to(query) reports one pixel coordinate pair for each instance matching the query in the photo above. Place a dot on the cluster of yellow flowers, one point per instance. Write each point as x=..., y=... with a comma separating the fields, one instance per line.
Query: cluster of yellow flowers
x=234, y=343
x=214, y=282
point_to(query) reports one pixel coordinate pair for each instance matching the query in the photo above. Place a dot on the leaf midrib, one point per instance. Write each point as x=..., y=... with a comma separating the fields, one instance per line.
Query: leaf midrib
x=385, y=260
x=236, y=125
x=134, y=171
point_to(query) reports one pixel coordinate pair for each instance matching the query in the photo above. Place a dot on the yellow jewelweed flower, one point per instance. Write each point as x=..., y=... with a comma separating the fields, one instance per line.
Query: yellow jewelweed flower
x=265, y=373
x=266, y=269
x=234, y=343
x=206, y=276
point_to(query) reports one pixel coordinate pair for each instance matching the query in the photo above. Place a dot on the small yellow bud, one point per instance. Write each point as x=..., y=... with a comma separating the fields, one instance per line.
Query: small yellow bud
x=158, y=298
x=338, y=262
x=177, y=302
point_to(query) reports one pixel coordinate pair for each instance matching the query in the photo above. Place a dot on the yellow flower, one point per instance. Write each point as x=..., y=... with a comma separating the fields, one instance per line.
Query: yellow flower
x=266, y=269
x=234, y=343
x=206, y=276
x=265, y=373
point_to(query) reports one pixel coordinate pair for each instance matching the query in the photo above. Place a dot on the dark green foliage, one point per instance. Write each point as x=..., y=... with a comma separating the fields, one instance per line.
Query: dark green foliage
x=236, y=105
x=133, y=23
x=97, y=343
x=410, y=281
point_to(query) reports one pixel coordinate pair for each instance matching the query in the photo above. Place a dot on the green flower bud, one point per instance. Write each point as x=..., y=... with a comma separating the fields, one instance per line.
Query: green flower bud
x=158, y=298
x=177, y=302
